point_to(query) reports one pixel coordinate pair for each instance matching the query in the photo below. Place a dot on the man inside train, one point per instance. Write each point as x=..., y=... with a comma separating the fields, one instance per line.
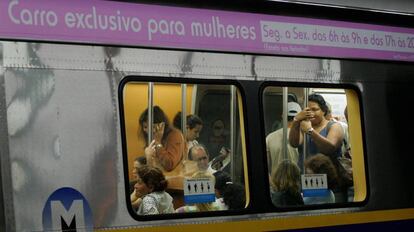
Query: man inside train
x=274, y=141
x=199, y=154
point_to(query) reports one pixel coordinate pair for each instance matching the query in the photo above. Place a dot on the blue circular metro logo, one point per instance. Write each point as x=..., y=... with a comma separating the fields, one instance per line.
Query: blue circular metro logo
x=67, y=210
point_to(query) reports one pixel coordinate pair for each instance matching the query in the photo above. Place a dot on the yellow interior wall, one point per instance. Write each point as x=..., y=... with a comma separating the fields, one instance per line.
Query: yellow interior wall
x=356, y=141
x=244, y=152
x=167, y=96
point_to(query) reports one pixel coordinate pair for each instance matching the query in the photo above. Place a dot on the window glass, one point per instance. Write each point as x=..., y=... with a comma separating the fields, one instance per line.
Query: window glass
x=197, y=167
x=314, y=150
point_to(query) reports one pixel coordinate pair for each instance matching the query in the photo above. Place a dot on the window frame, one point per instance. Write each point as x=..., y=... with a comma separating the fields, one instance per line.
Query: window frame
x=241, y=101
x=357, y=118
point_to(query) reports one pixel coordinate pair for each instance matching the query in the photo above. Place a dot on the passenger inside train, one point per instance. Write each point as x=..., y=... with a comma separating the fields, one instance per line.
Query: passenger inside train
x=185, y=156
x=138, y=162
x=150, y=188
x=323, y=136
x=229, y=195
x=322, y=164
x=181, y=154
x=222, y=161
x=274, y=141
x=199, y=154
x=286, y=185
x=167, y=148
x=193, y=128
x=201, y=205
x=323, y=126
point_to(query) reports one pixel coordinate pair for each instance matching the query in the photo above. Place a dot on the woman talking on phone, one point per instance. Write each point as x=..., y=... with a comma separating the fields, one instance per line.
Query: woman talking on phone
x=168, y=146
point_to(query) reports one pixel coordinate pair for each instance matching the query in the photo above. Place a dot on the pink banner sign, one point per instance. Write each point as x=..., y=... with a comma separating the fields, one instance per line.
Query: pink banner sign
x=117, y=23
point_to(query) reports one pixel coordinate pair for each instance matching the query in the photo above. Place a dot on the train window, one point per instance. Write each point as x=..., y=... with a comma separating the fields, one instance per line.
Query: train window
x=314, y=146
x=192, y=158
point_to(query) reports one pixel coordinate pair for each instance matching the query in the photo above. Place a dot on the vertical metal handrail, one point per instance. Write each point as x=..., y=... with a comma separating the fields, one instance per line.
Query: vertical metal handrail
x=233, y=120
x=184, y=115
x=285, y=122
x=184, y=110
x=150, y=119
x=305, y=136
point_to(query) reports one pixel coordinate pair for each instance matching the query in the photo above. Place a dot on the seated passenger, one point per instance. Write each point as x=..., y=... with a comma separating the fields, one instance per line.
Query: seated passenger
x=285, y=180
x=168, y=146
x=321, y=164
x=138, y=162
x=200, y=207
x=222, y=179
x=199, y=154
x=193, y=128
x=150, y=187
x=229, y=195
x=222, y=162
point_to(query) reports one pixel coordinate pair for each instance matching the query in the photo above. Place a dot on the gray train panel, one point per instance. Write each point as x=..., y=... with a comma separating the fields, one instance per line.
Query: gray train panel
x=61, y=127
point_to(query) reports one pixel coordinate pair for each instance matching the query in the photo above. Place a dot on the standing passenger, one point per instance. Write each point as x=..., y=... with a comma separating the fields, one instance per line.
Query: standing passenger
x=194, y=127
x=325, y=137
x=345, y=141
x=312, y=121
x=274, y=141
x=168, y=147
x=218, y=137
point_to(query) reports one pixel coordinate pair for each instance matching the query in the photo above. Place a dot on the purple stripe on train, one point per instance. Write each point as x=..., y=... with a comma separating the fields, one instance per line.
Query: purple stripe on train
x=104, y=22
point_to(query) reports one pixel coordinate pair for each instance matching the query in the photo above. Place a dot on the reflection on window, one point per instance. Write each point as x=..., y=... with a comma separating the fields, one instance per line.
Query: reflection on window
x=185, y=147
x=308, y=146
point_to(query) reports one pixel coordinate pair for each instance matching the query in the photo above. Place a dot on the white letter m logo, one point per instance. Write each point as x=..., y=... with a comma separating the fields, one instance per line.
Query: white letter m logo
x=67, y=220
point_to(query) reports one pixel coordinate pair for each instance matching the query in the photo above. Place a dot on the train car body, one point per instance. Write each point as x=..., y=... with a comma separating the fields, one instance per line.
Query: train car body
x=69, y=124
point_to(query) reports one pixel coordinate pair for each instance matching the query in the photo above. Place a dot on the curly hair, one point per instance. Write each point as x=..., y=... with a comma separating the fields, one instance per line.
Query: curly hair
x=152, y=177
x=322, y=164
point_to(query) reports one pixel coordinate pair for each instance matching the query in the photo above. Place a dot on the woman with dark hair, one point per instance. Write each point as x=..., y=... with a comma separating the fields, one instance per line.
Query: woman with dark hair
x=321, y=164
x=324, y=137
x=167, y=148
x=229, y=195
x=150, y=187
x=194, y=127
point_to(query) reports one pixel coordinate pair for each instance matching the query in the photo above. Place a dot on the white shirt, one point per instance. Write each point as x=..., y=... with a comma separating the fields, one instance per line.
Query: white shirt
x=274, y=148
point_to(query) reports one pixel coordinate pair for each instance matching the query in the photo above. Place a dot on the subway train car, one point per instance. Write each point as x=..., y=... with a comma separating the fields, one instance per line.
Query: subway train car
x=230, y=105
